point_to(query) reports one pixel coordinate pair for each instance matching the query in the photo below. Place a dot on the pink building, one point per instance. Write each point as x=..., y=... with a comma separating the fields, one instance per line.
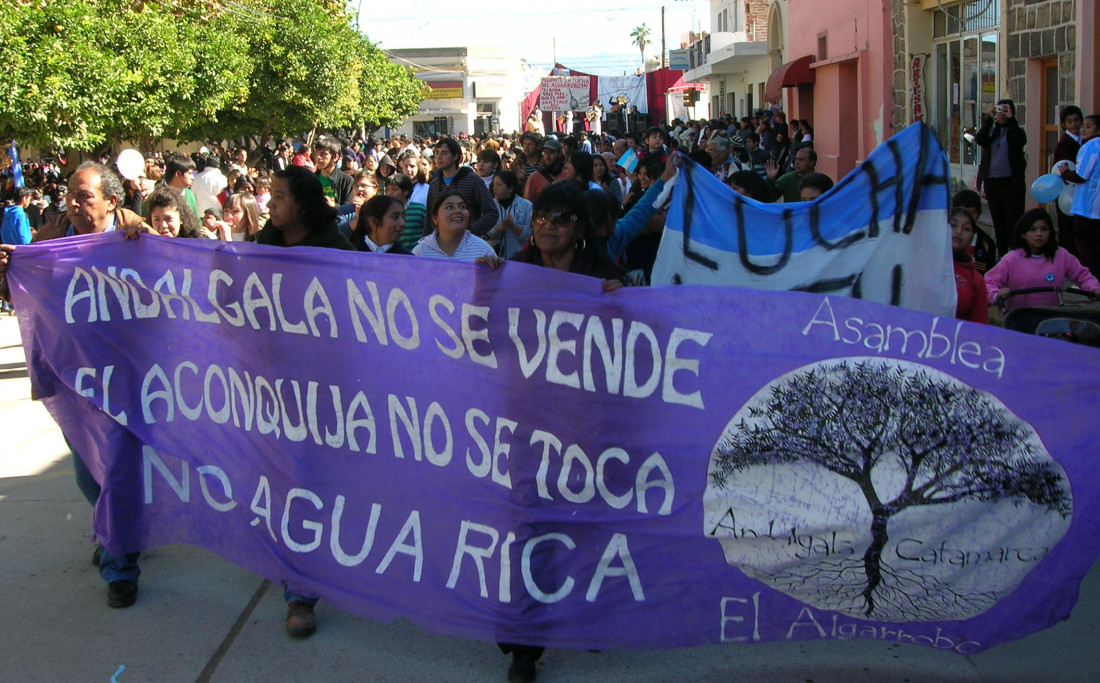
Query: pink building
x=844, y=47
x=861, y=70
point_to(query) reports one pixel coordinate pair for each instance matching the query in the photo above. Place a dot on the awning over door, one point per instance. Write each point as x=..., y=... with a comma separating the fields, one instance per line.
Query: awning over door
x=787, y=75
x=687, y=86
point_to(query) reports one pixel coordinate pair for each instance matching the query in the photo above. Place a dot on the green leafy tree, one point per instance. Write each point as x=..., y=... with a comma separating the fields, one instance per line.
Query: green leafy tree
x=389, y=92
x=83, y=73
x=303, y=75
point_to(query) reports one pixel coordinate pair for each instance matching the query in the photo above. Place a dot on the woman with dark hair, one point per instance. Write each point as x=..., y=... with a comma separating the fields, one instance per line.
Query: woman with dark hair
x=300, y=217
x=647, y=171
x=379, y=225
x=796, y=135
x=400, y=187
x=1037, y=261
x=514, y=227
x=749, y=184
x=1002, y=169
x=300, y=214
x=982, y=247
x=561, y=239
x=170, y=215
x=782, y=152
x=363, y=187
x=245, y=184
x=637, y=234
x=603, y=213
x=230, y=185
x=578, y=166
x=135, y=196
x=807, y=133
x=972, y=295
x=604, y=176
x=1068, y=145
x=451, y=238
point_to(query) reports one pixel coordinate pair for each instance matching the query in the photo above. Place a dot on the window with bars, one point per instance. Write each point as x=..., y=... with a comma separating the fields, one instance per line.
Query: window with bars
x=966, y=17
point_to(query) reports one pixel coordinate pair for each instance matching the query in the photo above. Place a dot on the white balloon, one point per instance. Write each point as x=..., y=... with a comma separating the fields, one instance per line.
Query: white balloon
x=1065, y=200
x=130, y=163
x=1057, y=167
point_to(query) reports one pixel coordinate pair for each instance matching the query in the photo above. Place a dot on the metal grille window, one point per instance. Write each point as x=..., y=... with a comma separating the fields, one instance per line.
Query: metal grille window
x=966, y=17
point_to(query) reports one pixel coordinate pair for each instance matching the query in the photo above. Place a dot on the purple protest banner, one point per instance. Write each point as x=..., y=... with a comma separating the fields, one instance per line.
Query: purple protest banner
x=515, y=455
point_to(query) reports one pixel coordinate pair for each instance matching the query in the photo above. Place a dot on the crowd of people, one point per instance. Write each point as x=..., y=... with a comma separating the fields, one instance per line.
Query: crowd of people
x=582, y=203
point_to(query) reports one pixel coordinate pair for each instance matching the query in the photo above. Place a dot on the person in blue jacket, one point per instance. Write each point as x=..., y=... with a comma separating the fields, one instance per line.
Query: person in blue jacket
x=16, y=228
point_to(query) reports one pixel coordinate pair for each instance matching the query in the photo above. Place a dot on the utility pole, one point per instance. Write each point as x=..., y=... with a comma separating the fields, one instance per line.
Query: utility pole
x=664, y=61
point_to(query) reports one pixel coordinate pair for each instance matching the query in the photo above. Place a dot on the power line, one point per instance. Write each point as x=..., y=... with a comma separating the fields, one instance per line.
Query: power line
x=536, y=15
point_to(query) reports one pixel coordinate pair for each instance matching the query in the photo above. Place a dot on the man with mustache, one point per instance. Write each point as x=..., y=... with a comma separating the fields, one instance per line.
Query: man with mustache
x=94, y=207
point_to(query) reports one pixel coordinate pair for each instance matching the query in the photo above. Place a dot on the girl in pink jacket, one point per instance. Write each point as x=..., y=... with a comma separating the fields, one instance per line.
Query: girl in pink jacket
x=1037, y=261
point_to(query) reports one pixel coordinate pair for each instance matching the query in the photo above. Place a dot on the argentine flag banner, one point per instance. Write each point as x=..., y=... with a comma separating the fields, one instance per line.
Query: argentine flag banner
x=881, y=234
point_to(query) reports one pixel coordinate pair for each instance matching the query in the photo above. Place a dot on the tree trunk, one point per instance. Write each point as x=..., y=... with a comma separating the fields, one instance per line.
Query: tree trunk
x=872, y=559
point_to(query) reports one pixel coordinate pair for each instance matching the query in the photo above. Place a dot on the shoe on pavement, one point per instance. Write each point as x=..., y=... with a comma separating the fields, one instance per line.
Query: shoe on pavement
x=96, y=555
x=300, y=620
x=523, y=667
x=121, y=594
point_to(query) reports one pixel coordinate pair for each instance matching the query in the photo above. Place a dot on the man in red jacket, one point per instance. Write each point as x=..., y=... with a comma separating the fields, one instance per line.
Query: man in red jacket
x=551, y=170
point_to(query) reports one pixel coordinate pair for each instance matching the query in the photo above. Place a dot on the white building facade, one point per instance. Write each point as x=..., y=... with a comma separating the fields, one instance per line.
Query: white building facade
x=474, y=90
x=732, y=61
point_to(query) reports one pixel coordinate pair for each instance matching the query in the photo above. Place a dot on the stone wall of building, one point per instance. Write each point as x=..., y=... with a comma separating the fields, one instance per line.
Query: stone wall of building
x=756, y=19
x=900, y=111
x=1036, y=29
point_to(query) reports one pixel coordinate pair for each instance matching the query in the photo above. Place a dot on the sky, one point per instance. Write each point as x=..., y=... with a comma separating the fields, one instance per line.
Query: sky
x=592, y=36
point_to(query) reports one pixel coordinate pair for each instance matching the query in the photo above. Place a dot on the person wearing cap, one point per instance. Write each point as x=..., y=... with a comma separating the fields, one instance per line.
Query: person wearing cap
x=550, y=171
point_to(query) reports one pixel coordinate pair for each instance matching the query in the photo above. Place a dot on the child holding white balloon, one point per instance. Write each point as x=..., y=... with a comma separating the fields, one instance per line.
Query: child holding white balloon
x=1086, y=199
x=1065, y=153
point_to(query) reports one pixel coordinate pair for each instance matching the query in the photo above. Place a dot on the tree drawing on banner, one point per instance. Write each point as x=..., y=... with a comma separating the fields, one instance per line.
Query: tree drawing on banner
x=884, y=490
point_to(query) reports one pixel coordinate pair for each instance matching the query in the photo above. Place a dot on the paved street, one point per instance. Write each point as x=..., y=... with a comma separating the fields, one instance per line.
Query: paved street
x=199, y=618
